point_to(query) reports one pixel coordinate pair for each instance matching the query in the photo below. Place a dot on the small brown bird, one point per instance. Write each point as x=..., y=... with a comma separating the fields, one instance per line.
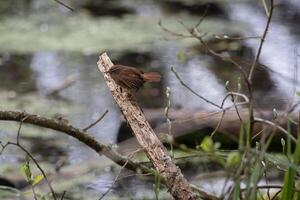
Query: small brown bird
x=132, y=78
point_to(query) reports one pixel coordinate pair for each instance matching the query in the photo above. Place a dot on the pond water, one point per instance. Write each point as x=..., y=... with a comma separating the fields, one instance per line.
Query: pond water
x=48, y=43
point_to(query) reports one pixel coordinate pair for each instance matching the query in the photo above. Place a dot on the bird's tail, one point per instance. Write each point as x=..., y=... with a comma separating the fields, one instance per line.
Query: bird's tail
x=151, y=77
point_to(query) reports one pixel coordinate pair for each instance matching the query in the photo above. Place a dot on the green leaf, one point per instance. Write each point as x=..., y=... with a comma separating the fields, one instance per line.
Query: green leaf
x=181, y=56
x=291, y=174
x=156, y=185
x=37, y=179
x=207, y=144
x=233, y=159
x=25, y=171
x=237, y=190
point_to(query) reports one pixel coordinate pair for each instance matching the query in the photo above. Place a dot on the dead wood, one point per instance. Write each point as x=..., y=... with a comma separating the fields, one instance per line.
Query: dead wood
x=187, y=121
x=176, y=183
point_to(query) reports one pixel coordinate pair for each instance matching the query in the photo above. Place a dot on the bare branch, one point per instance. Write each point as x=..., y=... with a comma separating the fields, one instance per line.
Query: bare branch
x=256, y=119
x=290, y=105
x=194, y=33
x=64, y=5
x=79, y=134
x=266, y=8
x=113, y=183
x=34, y=193
x=63, y=195
x=225, y=37
x=167, y=108
x=117, y=177
x=181, y=35
x=203, y=16
x=96, y=122
x=231, y=94
x=233, y=99
x=171, y=175
x=258, y=133
x=19, y=130
x=37, y=165
x=219, y=124
x=191, y=90
x=261, y=42
x=3, y=146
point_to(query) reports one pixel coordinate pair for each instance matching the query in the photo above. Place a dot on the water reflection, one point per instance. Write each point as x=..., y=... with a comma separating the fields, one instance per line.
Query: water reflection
x=279, y=50
x=89, y=94
x=195, y=73
x=48, y=70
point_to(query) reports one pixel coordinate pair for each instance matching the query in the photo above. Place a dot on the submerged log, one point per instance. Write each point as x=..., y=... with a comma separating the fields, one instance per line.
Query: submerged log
x=187, y=123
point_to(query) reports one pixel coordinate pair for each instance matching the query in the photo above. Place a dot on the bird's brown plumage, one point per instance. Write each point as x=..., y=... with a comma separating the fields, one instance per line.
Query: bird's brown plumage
x=132, y=78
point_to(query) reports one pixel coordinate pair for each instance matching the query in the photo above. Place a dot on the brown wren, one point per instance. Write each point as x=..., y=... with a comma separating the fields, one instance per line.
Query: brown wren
x=132, y=78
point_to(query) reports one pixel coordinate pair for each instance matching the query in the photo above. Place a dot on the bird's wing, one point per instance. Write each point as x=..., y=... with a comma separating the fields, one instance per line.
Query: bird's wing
x=131, y=80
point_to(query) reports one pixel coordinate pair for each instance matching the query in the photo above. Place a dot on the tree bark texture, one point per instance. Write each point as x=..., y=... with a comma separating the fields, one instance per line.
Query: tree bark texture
x=178, y=186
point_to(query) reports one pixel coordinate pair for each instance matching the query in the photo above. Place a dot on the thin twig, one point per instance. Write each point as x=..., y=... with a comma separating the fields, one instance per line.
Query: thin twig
x=98, y=120
x=37, y=165
x=268, y=187
x=225, y=37
x=64, y=5
x=293, y=107
x=170, y=136
x=295, y=80
x=203, y=16
x=256, y=119
x=227, y=59
x=219, y=124
x=77, y=133
x=117, y=177
x=191, y=90
x=267, y=180
x=33, y=192
x=275, y=195
x=232, y=94
x=3, y=146
x=31, y=157
x=257, y=134
x=255, y=61
x=261, y=42
x=63, y=195
x=113, y=183
x=194, y=33
x=229, y=94
x=19, y=130
x=173, y=33
x=217, y=112
x=266, y=8
x=236, y=94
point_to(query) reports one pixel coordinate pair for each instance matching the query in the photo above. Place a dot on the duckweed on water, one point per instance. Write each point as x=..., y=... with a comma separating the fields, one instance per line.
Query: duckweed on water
x=81, y=33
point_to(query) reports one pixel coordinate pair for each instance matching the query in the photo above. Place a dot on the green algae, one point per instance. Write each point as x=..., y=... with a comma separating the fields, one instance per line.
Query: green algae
x=34, y=104
x=82, y=33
